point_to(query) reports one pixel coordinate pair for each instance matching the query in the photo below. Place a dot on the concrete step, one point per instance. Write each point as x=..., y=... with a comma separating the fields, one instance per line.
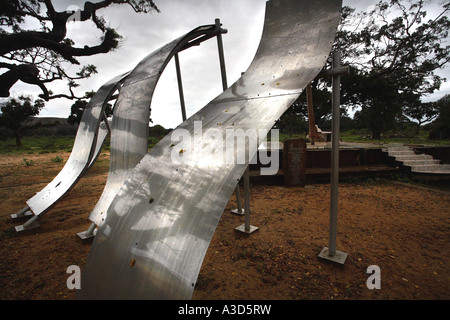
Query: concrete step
x=400, y=153
x=413, y=157
x=439, y=168
x=411, y=163
x=400, y=148
x=420, y=163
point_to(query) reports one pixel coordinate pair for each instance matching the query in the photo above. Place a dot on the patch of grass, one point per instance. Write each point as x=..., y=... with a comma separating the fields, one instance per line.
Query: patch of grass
x=27, y=162
x=57, y=159
x=363, y=135
x=37, y=144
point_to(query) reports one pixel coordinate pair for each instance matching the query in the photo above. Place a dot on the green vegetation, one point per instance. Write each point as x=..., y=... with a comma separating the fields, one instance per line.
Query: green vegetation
x=37, y=145
x=362, y=135
x=50, y=144
x=57, y=159
x=28, y=162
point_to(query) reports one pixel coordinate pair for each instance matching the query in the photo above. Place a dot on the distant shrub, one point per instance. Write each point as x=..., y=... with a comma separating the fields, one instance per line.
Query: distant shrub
x=28, y=162
x=57, y=159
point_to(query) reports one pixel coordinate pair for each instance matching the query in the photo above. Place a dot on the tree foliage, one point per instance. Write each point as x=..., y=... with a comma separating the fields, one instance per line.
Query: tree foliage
x=441, y=126
x=394, y=51
x=77, y=109
x=16, y=115
x=38, y=56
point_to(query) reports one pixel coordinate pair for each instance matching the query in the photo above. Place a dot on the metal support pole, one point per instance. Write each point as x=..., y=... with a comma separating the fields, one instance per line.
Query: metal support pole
x=331, y=253
x=247, y=200
x=23, y=213
x=223, y=73
x=311, y=121
x=30, y=222
x=105, y=118
x=90, y=230
x=29, y=225
x=335, y=127
x=246, y=227
x=221, y=56
x=180, y=87
x=239, y=210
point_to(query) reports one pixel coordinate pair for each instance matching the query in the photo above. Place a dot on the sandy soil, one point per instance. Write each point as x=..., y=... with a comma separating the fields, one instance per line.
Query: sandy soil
x=402, y=229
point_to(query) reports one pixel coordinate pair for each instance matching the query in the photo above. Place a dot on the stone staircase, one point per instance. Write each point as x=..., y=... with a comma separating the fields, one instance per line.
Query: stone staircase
x=421, y=163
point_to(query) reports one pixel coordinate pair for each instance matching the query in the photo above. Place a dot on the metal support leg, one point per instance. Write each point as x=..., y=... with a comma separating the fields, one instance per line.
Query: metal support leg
x=88, y=235
x=330, y=253
x=223, y=73
x=221, y=56
x=180, y=87
x=246, y=227
x=105, y=118
x=239, y=210
x=24, y=213
x=31, y=224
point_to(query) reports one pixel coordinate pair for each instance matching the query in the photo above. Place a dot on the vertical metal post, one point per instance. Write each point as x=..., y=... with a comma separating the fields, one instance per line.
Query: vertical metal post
x=221, y=56
x=247, y=199
x=105, y=118
x=311, y=121
x=246, y=227
x=335, y=127
x=330, y=253
x=180, y=87
x=224, y=87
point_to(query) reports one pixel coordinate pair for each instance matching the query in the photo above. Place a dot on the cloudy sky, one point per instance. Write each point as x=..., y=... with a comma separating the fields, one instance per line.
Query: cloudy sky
x=144, y=33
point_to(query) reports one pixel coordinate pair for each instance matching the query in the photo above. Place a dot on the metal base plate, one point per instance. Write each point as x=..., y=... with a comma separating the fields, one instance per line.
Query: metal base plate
x=86, y=238
x=236, y=211
x=22, y=229
x=338, y=258
x=241, y=228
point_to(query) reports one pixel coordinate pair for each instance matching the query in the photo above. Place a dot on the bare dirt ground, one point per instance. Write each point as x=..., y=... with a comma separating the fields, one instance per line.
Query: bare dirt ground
x=402, y=229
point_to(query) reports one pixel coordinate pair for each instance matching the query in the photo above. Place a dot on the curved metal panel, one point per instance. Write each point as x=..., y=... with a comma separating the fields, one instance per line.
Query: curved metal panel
x=160, y=223
x=129, y=127
x=103, y=133
x=83, y=150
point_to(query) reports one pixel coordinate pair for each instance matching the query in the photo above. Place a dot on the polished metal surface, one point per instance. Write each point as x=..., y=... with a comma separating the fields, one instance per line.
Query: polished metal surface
x=160, y=223
x=83, y=151
x=103, y=133
x=130, y=123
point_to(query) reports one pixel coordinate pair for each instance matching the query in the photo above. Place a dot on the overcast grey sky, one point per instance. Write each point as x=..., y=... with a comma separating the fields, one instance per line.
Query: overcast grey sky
x=144, y=33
